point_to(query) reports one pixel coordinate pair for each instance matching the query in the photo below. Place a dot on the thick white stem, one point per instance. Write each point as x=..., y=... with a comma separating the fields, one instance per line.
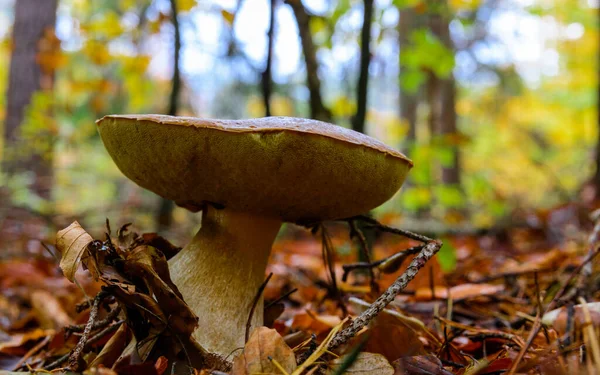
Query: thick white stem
x=219, y=274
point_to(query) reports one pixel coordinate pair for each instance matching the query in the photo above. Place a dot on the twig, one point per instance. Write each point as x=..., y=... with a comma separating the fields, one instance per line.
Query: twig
x=112, y=315
x=385, y=228
x=32, y=351
x=97, y=337
x=387, y=265
x=593, y=251
x=281, y=298
x=75, y=358
x=388, y=296
x=254, y=303
x=355, y=231
x=328, y=260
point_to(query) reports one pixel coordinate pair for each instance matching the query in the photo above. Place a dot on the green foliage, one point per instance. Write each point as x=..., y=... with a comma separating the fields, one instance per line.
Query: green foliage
x=425, y=52
x=447, y=256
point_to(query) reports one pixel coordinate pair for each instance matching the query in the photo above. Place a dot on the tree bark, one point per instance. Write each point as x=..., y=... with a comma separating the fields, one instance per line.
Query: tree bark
x=317, y=108
x=358, y=122
x=596, y=178
x=443, y=104
x=34, y=25
x=164, y=217
x=409, y=101
x=267, y=83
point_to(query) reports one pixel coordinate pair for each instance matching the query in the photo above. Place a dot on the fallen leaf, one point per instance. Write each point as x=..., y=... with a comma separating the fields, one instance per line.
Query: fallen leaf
x=420, y=365
x=264, y=344
x=49, y=311
x=99, y=371
x=72, y=243
x=113, y=348
x=558, y=318
x=151, y=266
x=459, y=292
x=161, y=364
x=391, y=338
x=365, y=364
x=18, y=340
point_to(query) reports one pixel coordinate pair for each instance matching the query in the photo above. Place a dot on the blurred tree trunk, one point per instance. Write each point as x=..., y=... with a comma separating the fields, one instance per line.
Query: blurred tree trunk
x=266, y=76
x=409, y=101
x=596, y=178
x=442, y=100
x=358, y=121
x=164, y=217
x=317, y=108
x=33, y=32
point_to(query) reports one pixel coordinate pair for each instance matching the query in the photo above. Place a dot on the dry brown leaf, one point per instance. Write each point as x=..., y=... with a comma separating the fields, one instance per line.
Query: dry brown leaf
x=151, y=266
x=458, y=292
x=391, y=338
x=558, y=318
x=19, y=339
x=161, y=364
x=113, y=347
x=99, y=371
x=420, y=365
x=366, y=364
x=48, y=310
x=264, y=343
x=72, y=243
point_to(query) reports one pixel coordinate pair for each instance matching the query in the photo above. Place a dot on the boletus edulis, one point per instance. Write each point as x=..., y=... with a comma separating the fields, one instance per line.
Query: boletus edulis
x=247, y=177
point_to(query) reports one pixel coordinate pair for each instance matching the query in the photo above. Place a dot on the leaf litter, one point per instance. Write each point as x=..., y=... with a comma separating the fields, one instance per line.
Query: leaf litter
x=518, y=301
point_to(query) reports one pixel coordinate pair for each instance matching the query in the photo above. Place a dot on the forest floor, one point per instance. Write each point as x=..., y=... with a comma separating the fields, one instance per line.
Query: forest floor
x=518, y=299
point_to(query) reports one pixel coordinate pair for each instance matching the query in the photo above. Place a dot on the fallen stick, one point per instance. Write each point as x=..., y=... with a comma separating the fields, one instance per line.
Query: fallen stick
x=430, y=249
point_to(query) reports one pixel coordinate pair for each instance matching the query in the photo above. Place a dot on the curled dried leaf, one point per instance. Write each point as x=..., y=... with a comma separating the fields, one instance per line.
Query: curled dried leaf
x=72, y=242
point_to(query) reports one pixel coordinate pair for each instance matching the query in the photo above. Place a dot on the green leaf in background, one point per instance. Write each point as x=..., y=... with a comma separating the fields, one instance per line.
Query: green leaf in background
x=449, y=195
x=401, y=4
x=447, y=256
x=415, y=198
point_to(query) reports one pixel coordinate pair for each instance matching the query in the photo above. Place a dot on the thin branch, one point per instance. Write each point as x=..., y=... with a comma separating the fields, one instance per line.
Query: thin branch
x=385, y=228
x=75, y=360
x=366, y=251
x=358, y=122
x=259, y=293
x=430, y=249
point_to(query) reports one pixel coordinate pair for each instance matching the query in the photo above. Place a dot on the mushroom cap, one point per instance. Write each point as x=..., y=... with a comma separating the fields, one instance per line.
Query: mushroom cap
x=294, y=169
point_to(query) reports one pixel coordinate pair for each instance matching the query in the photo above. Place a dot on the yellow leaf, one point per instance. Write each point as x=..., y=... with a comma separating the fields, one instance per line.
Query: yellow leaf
x=228, y=16
x=72, y=242
x=185, y=5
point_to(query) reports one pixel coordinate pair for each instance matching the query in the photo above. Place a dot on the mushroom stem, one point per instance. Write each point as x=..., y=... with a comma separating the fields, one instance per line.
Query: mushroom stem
x=220, y=272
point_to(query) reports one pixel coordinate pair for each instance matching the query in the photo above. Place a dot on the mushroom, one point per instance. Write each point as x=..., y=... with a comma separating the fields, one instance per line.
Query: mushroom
x=247, y=177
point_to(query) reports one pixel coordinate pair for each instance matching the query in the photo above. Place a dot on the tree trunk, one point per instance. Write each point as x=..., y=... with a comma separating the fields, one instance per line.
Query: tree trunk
x=443, y=104
x=164, y=216
x=358, y=122
x=318, y=110
x=266, y=76
x=596, y=178
x=409, y=101
x=33, y=32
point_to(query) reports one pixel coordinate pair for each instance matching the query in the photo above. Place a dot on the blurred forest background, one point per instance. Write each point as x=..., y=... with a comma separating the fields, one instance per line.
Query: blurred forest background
x=494, y=100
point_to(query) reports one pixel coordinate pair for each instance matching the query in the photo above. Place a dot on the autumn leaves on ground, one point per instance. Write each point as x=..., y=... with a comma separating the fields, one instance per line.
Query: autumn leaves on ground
x=517, y=300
